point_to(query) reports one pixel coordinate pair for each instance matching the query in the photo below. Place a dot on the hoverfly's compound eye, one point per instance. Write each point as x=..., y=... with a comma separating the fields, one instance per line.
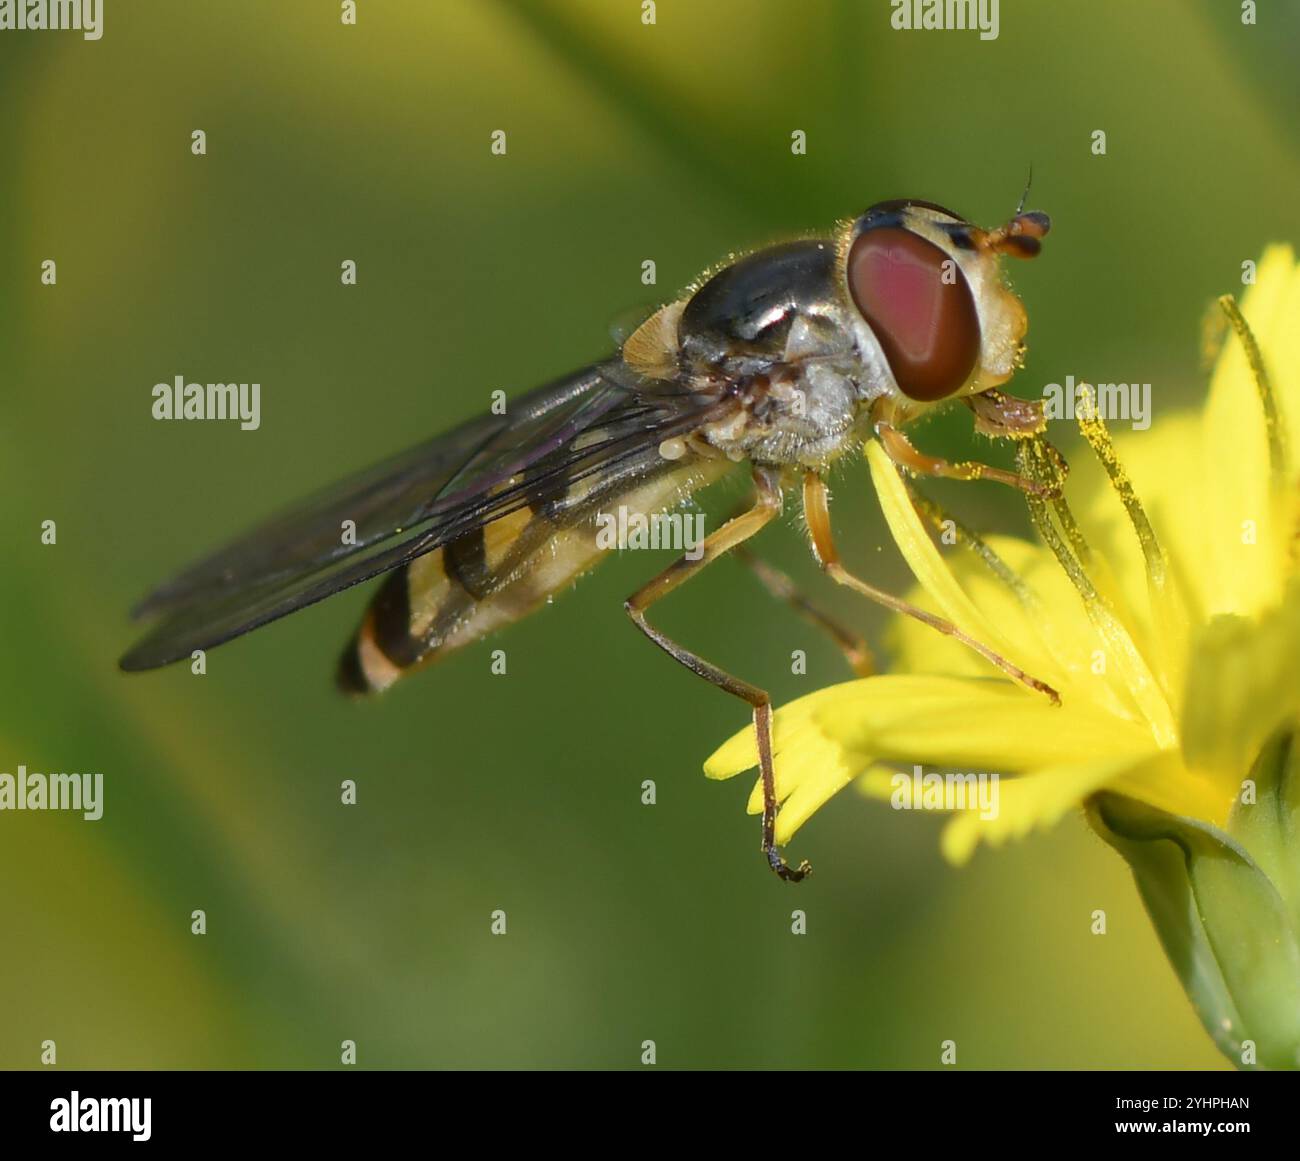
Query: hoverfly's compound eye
x=917, y=301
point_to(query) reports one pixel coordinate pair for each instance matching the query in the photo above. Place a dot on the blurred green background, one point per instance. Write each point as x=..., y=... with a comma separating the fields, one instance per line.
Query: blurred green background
x=478, y=272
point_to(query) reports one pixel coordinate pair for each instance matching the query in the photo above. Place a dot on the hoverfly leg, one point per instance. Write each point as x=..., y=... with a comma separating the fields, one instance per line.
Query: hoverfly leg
x=853, y=645
x=767, y=505
x=817, y=514
x=900, y=449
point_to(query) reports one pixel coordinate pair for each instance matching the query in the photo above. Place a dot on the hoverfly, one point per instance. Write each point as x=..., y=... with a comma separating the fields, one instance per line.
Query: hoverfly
x=784, y=359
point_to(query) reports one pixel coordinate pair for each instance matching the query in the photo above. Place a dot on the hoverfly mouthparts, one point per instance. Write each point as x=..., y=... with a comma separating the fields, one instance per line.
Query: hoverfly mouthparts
x=925, y=282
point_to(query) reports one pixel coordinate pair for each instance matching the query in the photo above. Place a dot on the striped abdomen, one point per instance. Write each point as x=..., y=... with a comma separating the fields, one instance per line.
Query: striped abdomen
x=496, y=574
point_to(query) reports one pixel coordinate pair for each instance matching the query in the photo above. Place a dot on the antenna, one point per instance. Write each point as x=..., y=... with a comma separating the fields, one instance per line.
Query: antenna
x=1024, y=197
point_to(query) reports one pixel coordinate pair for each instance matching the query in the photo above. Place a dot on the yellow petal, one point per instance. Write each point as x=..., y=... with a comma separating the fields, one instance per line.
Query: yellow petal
x=825, y=740
x=1180, y=792
x=1054, y=622
x=805, y=780
x=923, y=558
x=1040, y=800
x=984, y=724
x=792, y=725
x=1243, y=685
x=1245, y=545
x=1272, y=308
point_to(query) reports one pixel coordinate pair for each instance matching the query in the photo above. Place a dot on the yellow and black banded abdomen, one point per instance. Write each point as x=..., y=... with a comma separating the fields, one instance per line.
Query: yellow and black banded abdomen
x=481, y=582
x=444, y=599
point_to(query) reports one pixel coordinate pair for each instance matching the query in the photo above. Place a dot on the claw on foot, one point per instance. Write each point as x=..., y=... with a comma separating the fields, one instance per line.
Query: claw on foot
x=790, y=874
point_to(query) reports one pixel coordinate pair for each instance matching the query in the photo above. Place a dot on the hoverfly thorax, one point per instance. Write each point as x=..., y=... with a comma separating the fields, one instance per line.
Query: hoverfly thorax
x=907, y=306
x=932, y=309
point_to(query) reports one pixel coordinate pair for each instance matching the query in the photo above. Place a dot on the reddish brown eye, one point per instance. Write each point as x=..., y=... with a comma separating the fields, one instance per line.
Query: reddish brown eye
x=927, y=325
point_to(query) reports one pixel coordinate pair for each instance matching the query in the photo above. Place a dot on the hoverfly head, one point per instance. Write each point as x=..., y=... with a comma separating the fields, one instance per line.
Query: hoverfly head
x=929, y=288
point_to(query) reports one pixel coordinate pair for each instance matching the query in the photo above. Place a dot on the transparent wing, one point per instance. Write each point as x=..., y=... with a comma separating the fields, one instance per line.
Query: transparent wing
x=410, y=504
x=388, y=498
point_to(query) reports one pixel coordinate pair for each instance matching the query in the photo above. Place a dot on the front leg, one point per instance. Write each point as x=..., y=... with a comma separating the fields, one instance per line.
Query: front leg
x=901, y=450
x=816, y=510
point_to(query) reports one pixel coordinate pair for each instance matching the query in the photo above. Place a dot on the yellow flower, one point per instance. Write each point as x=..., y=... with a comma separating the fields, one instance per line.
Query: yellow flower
x=1162, y=601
